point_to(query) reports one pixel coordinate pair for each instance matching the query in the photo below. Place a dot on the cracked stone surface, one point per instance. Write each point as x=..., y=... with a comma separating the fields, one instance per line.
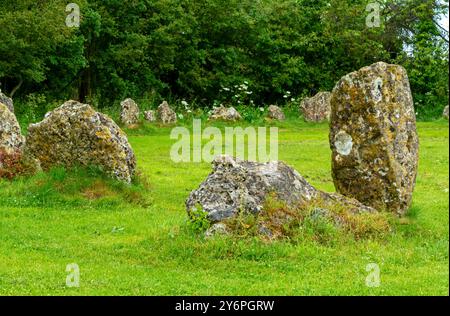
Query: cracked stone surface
x=373, y=137
x=129, y=114
x=165, y=114
x=236, y=186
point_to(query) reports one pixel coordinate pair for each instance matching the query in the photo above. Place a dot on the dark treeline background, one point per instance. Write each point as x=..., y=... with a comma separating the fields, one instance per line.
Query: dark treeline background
x=190, y=49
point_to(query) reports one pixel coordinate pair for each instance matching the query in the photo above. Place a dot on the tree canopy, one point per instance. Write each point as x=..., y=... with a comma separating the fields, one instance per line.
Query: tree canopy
x=192, y=49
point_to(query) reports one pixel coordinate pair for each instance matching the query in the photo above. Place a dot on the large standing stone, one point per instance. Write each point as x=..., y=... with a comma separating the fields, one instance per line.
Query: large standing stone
x=75, y=134
x=7, y=101
x=225, y=114
x=243, y=186
x=373, y=137
x=445, y=113
x=11, y=139
x=275, y=113
x=130, y=112
x=317, y=108
x=165, y=114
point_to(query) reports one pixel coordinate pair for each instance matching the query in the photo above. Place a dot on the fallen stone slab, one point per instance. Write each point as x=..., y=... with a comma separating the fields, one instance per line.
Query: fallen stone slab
x=236, y=186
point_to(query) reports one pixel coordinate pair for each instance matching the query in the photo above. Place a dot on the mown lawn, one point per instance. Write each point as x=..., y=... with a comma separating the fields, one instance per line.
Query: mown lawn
x=146, y=248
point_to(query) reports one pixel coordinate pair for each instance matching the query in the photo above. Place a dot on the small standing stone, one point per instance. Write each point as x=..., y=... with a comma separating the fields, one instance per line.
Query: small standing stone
x=317, y=108
x=373, y=137
x=150, y=116
x=165, y=114
x=236, y=186
x=276, y=113
x=130, y=112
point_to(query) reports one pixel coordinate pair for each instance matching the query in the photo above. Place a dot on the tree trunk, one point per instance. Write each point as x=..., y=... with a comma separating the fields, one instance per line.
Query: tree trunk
x=17, y=87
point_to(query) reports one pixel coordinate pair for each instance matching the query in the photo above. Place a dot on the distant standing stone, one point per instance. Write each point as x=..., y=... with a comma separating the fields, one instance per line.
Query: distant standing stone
x=150, y=116
x=7, y=101
x=75, y=134
x=130, y=112
x=317, y=108
x=165, y=114
x=276, y=113
x=11, y=139
x=225, y=114
x=445, y=113
x=373, y=137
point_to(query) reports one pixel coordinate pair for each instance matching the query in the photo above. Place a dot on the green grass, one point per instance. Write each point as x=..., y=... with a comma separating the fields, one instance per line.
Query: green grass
x=135, y=240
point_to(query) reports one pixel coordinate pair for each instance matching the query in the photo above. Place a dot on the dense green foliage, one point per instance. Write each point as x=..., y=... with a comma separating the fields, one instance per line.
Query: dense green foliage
x=197, y=50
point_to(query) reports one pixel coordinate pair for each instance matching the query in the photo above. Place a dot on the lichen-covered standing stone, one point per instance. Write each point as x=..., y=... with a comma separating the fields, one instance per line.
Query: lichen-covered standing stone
x=373, y=137
x=165, y=114
x=275, y=113
x=129, y=114
x=75, y=134
x=7, y=101
x=317, y=108
x=11, y=139
x=225, y=114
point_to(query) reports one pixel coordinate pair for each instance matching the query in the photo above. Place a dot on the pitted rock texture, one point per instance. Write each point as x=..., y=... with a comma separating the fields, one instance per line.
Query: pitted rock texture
x=243, y=186
x=317, y=108
x=165, y=114
x=7, y=101
x=150, y=116
x=11, y=139
x=129, y=114
x=445, y=113
x=373, y=137
x=75, y=134
x=225, y=114
x=276, y=113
